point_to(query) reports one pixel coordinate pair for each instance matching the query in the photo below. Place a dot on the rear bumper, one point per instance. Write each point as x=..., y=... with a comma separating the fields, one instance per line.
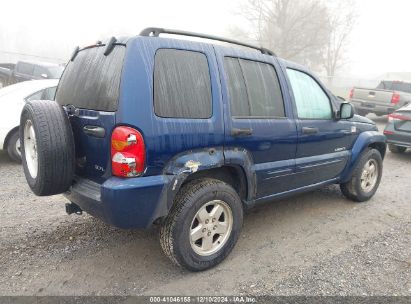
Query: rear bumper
x=398, y=143
x=123, y=203
x=377, y=109
x=397, y=137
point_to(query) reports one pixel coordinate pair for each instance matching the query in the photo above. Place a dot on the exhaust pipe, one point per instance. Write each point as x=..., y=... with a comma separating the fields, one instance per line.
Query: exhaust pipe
x=73, y=208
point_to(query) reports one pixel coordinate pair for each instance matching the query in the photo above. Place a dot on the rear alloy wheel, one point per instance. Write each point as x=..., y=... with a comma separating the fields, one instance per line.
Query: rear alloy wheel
x=203, y=225
x=365, y=178
x=14, y=147
x=396, y=149
x=211, y=227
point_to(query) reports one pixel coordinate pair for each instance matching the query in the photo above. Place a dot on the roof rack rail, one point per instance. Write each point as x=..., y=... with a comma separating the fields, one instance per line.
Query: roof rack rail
x=155, y=32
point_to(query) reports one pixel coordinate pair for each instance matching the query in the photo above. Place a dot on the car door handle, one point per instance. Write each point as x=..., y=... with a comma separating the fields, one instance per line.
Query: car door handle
x=309, y=130
x=241, y=132
x=94, y=131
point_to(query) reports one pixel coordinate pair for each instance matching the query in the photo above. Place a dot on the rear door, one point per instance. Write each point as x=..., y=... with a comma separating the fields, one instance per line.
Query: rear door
x=257, y=118
x=323, y=142
x=89, y=89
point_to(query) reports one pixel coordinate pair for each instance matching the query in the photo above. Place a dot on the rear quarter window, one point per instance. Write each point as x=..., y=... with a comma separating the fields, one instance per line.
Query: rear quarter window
x=92, y=80
x=182, y=87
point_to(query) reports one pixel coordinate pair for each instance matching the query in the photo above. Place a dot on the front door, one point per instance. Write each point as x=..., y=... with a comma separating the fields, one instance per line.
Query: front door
x=257, y=120
x=323, y=142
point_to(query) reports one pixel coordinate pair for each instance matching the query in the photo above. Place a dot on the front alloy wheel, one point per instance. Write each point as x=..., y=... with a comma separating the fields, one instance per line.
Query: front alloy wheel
x=369, y=175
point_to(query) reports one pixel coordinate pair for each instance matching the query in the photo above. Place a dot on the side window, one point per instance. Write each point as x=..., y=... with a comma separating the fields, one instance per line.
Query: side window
x=49, y=93
x=237, y=89
x=182, y=87
x=25, y=68
x=311, y=101
x=38, y=71
x=36, y=96
x=254, y=89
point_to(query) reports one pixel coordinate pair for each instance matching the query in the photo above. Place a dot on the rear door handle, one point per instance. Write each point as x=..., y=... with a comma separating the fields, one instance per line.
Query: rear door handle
x=309, y=130
x=95, y=131
x=241, y=132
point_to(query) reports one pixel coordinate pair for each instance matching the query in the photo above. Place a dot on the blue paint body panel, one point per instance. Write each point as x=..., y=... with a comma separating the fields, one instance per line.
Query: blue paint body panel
x=277, y=160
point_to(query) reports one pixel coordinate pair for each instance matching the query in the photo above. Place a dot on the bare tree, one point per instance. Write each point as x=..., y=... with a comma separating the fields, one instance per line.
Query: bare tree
x=294, y=29
x=342, y=18
x=311, y=32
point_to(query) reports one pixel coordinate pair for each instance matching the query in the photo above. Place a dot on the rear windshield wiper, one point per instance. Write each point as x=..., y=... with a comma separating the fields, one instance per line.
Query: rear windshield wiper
x=109, y=47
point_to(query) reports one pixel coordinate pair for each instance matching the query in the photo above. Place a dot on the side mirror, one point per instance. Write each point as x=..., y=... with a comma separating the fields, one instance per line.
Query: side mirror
x=346, y=111
x=44, y=76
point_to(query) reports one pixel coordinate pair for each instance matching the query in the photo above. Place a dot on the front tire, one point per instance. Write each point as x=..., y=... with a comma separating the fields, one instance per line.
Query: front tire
x=366, y=177
x=396, y=149
x=14, y=147
x=203, y=225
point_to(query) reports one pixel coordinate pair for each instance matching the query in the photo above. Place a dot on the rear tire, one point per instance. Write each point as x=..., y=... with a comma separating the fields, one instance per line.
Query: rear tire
x=396, y=149
x=47, y=147
x=14, y=147
x=192, y=236
x=363, y=183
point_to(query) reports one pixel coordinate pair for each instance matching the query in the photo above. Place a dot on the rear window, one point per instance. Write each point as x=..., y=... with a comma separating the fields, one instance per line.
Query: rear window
x=182, y=87
x=92, y=80
x=25, y=68
x=395, y=86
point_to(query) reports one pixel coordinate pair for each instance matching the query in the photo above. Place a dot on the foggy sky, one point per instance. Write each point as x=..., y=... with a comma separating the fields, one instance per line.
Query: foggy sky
x=49, y=28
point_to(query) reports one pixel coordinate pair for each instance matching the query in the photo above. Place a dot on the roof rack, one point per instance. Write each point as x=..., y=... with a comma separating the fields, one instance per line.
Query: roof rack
x=155, y=32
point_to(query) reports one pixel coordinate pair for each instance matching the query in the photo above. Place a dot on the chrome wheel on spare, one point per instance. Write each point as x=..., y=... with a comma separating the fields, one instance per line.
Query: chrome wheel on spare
x=30, y=148
x=17, y=147
x=211, y=227
x=203, y=224
x=369, y=175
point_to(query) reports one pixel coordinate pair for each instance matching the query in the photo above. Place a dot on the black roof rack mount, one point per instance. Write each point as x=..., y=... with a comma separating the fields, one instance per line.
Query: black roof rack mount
x=155, y=32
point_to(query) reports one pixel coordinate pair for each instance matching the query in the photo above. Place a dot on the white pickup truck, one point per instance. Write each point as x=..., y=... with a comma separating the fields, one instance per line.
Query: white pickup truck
x=386, y=98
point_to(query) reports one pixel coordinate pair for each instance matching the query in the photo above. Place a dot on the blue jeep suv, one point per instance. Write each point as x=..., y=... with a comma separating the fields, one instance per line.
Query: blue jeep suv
x=186, y=134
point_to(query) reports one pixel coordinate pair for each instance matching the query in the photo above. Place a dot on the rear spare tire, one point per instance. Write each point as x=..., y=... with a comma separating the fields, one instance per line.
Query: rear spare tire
x=47, y=147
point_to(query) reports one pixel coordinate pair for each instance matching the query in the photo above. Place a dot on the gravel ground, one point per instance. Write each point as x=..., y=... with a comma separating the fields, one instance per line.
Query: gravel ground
x=314, y=244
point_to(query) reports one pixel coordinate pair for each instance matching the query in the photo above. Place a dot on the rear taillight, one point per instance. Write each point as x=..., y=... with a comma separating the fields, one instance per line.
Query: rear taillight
x=396, y=117
x=395, y=98
x=128, y=152
x=351, y=93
